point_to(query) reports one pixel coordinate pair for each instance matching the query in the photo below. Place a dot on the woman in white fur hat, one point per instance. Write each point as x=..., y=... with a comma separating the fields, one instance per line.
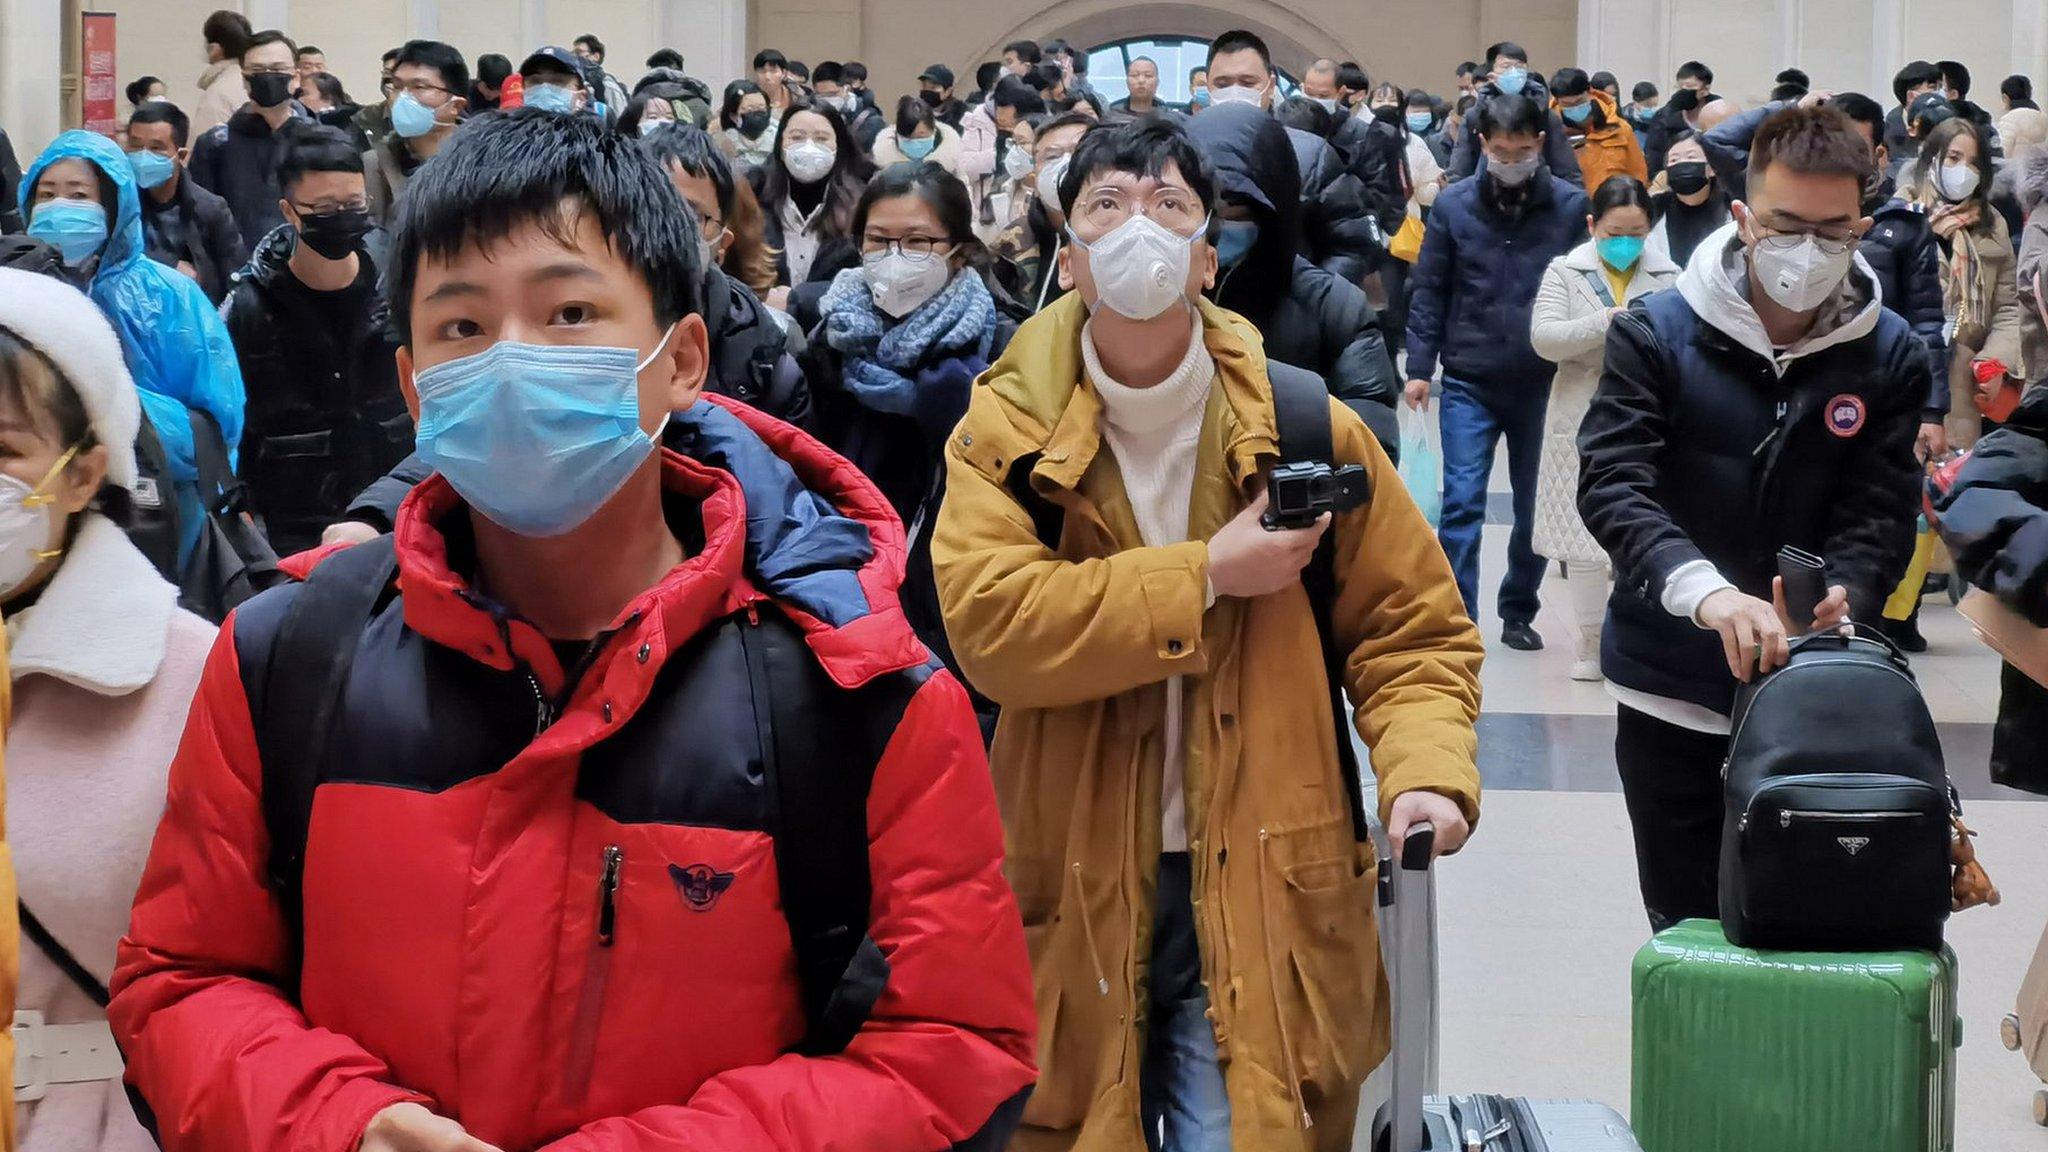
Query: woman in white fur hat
x=104, y=665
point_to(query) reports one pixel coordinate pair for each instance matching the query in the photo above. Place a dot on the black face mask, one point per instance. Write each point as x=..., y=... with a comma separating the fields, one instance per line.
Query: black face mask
x=931, y=99
x=1686, y=179
x=753, y=124
x=1685, y=100
x=269, y=89
x=335, y=234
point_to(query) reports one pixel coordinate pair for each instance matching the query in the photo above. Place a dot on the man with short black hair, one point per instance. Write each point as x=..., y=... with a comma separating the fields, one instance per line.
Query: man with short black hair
x=183, y=225
x=1490, y=240
x=622, y=723
x=1141, y=76
x=771, y=75
x=1955, y=83
x=1469, y=75
x=1769, y=400
x=2016, y=91
x=431, y=80
x=1604, y=144
x=325, y=417
x=1159, y=654
x=222, y=89
x=1916, y=79
x=1020, y=56
x=665, y=58
x=311, y=62
x=1508, y=74
x=1198, y=88
x=1241, y=71
x=591, y=49
x=237, y=161
x=1353, y=85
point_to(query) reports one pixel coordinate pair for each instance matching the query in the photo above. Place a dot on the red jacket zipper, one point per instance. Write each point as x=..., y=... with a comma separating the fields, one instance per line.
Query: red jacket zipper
x=590, y=1003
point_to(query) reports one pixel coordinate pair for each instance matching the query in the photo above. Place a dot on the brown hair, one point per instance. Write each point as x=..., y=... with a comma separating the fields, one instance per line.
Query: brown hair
x=1935, y=148
x=748, y=259
x=1818, y=141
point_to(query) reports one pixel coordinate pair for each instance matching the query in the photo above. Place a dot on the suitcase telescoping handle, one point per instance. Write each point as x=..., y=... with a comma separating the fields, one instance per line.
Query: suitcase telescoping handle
x=1408, y=893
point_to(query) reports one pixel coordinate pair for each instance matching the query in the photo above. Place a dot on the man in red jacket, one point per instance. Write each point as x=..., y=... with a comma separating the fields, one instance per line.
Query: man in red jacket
x=568, y=880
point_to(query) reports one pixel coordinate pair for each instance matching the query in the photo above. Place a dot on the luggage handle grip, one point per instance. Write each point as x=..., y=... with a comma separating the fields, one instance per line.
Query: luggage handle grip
x=1418, y=849
x=1858, y=632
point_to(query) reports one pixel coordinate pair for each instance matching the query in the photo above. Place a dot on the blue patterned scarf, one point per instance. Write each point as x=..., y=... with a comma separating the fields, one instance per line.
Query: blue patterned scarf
x=959, y=322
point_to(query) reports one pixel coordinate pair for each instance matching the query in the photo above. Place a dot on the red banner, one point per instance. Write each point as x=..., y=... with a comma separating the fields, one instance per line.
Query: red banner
x=97, y=71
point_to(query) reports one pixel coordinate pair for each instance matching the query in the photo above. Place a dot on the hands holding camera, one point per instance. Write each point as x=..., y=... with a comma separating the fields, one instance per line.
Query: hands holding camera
x=1246, y=559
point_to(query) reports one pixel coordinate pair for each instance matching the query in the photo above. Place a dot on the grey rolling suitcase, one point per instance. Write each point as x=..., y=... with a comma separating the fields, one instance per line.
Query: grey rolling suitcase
x=1413, y=1122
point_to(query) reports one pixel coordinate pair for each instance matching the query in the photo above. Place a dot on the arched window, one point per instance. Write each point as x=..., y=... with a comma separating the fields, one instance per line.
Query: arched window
x=1177, y=56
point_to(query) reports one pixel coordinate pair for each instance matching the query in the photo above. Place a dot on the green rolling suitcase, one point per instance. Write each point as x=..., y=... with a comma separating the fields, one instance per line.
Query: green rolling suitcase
x=1740, y=1051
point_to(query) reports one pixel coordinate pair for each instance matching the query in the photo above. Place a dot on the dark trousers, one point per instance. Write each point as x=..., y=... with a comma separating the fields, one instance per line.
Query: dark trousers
x=1475, y=418
x=1671, y=778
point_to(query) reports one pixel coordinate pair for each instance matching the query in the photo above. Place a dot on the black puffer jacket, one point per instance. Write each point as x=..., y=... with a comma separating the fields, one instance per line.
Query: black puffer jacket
x=1376, y=154
x=325, y=416
x=210, y=238
x=10, y=187
x=1995, y=522
x=750, y=359
x=1339, y=232
x=237, y=161
x=1698, y=447
x=1309, y=318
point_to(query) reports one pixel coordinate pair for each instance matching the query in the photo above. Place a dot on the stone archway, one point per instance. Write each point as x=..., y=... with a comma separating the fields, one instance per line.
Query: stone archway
x=1294, y=39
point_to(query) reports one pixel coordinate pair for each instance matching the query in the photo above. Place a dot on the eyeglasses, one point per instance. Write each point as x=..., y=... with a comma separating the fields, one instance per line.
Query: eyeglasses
x=1105, y=209
x=1833, y=241
x=420, y=89
x=917, y=249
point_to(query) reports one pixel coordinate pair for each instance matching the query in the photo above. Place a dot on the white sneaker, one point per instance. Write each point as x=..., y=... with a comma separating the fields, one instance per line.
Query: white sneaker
x=1586, y=668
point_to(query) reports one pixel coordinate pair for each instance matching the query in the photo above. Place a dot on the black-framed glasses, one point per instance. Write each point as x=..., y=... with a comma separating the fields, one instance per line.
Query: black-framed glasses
x=916, y=248
x=420, y=89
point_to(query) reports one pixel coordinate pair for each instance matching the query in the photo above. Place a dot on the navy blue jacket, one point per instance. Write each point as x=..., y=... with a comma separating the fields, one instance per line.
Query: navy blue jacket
x=1694, y=448
x=1476, y=279
x=1902, y=250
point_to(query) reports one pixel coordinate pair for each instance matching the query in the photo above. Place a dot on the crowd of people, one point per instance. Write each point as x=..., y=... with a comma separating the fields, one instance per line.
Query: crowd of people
x=755, y=619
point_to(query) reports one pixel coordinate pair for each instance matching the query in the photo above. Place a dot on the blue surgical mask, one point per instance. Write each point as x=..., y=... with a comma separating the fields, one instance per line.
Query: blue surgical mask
x=917, y=149
x=151, y=169
x=1513, y=81
x=551, y=98
x=1577, y=114
x=537, y=437
x=1420, y=121
x=1236, y=241
x=75, y=228
x=412, y=119
x=1619, y=252
x=1201, y=99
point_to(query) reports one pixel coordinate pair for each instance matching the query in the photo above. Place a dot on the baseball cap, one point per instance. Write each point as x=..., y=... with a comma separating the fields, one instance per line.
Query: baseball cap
x=554, y=59
x=1930, y=109
x=938, y=74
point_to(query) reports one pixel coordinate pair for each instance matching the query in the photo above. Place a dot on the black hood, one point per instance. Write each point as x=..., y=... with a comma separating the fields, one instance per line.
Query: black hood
x=1252, y=159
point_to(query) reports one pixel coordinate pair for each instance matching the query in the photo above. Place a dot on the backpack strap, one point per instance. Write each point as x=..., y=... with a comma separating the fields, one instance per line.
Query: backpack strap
x=303, y=686
x=1598, y=283
x=1301, y=409
x=61, y=956
x=821, y=758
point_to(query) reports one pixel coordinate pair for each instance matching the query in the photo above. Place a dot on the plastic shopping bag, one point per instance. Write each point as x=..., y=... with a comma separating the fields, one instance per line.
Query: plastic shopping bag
x=1421, y=469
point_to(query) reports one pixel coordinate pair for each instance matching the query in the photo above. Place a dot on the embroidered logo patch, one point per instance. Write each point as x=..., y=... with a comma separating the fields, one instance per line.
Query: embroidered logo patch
x=1845, y=414
x=700, y=884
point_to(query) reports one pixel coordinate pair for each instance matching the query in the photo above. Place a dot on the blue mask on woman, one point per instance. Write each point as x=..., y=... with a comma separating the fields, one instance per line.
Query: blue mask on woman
x=537, y=437
x=1620, y=252
x=1236, y=242
x=917, y=149
x=75, y=228
x=151, y=169
x=1420, y=121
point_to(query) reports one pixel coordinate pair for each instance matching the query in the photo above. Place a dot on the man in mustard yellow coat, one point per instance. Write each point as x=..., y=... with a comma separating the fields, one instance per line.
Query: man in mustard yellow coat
x=1198, y=908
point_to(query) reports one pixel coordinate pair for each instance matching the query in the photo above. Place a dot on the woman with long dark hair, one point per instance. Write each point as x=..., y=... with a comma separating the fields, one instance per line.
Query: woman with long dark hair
x=808, y=189
x=1951, y=181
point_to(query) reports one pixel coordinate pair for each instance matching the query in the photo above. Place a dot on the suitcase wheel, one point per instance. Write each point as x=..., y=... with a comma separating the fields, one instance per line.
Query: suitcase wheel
x=2041, y=1109
x=2009, y=1032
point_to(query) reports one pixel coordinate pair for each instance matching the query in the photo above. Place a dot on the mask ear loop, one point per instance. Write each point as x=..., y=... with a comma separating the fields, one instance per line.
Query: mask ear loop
x=37, y=498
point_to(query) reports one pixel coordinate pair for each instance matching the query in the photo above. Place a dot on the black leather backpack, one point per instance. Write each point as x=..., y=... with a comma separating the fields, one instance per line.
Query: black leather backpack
x=1837, y=829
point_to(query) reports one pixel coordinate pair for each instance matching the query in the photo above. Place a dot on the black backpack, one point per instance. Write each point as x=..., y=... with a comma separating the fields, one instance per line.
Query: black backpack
x=1837, y=829
x=825, y=749
x=1301, y=414
x=232, y=560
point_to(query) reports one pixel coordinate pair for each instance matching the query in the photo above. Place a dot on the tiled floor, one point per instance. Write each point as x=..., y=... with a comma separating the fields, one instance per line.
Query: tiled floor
x=1540, y=916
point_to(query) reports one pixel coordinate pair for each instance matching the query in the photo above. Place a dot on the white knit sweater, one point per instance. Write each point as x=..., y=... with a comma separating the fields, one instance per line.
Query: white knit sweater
x=1155, y=435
